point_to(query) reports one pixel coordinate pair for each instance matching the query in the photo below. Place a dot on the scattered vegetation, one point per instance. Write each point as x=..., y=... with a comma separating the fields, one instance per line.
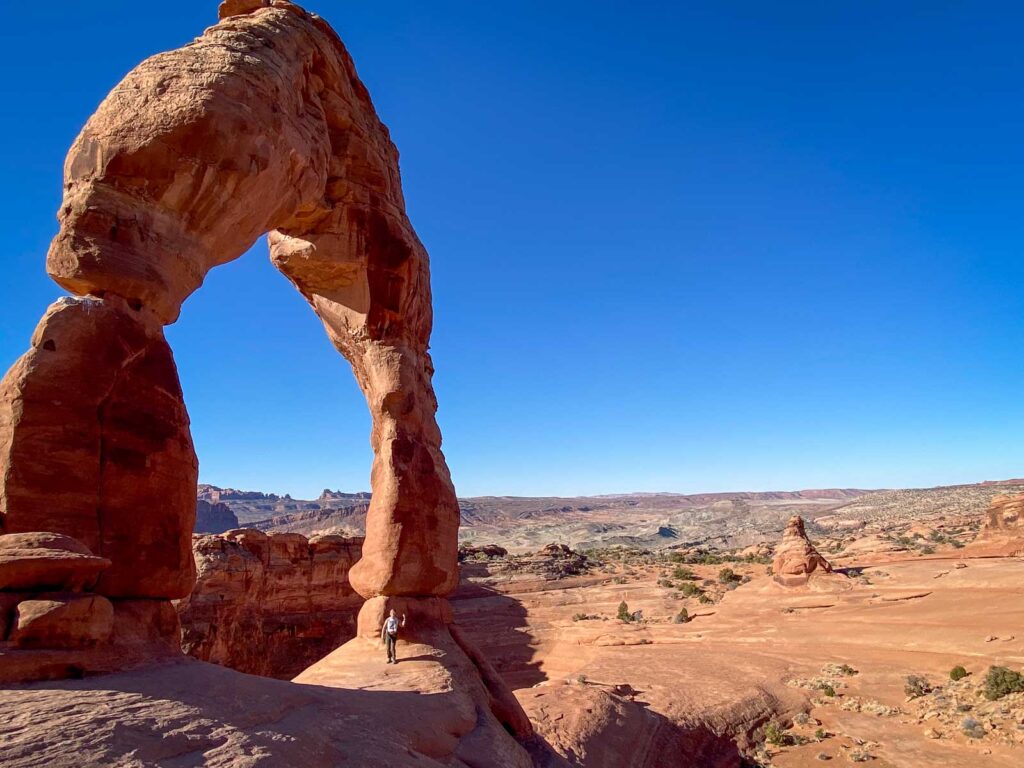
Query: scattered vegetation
x=916, y=686
x=1000, y=682
x=958, y=673
x=776, y=735
x=623, y=612
x=972, y=728
x=689, y=589
x=728, y=576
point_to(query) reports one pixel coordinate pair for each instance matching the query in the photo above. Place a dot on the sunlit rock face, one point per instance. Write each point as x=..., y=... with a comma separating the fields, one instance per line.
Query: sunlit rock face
x=795, y=557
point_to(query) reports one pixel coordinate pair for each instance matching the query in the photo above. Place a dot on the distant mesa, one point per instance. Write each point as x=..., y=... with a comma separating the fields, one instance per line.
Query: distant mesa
x=796, y=559
x=214, y=518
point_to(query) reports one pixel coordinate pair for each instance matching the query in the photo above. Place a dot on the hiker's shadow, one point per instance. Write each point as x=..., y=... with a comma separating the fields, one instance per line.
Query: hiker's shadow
x=497, y=625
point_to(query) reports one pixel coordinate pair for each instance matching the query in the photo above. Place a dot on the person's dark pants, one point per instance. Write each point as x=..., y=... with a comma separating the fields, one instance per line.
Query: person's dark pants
x=391, y=640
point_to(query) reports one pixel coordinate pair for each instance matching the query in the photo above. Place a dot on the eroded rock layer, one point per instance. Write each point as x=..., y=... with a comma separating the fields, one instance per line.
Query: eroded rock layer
x=270, y=604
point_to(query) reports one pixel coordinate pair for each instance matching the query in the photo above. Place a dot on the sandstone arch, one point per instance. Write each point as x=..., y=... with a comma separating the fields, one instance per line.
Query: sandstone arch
x=260, y=125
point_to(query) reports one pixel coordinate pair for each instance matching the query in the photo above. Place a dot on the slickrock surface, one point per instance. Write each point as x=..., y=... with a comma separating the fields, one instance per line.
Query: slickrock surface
x=195, y=714
x=752, y=651
x=796, y=559
x=447, y=688
x=270, y=605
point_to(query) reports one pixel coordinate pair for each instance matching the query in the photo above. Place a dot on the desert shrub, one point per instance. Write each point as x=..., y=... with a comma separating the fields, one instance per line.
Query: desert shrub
x=682, y=617
x=664, y=583
x=619, y=579
x=846, y=670
x=927, y=550
x=915, y=686
x=682, y=573
x=1000, y=681
x=704, y=599
x=728, y=576
x=826, y=689
x=956, y=544
x=972, y=728
x=776, y=735
x=689, y=589
x=957, y=673
x=821, y=734
x=623, y=612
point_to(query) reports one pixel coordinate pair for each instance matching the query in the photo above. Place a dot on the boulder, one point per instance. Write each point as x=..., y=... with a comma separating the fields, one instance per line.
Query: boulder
x=47, y=561
x=62, y=621
x=795, y=557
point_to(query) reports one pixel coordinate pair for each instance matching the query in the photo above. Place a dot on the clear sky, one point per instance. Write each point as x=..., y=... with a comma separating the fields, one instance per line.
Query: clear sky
x=675, y=246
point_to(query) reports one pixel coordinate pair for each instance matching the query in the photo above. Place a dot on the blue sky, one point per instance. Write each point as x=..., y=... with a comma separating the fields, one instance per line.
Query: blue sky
x=675, y=247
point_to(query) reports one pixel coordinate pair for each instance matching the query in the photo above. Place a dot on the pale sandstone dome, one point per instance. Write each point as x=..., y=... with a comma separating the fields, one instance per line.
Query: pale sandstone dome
x=795, y=557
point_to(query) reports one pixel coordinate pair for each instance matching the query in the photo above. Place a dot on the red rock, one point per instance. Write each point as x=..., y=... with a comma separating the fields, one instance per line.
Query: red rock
x=1005, y=516
x=62, y=621
x=95, y=444
x=173, y=176
x=795, y=557
x=270, y=605
x=47, y=561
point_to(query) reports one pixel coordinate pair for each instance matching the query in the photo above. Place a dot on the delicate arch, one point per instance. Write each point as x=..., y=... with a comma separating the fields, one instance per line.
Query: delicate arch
x=271, y=131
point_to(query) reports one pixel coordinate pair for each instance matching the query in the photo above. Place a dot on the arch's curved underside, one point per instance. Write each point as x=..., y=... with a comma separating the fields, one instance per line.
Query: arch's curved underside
x=260, y=125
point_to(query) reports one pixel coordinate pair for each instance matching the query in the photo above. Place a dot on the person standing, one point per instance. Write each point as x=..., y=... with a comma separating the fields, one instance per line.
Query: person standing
x=389, y=634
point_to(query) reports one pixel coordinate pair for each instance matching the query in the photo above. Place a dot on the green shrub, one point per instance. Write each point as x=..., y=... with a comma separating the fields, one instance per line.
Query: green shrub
x=821, y=734
x=624, y=614
x=727, y=576
x=777, y=735
x=704, y=599
x=689, y=589
x=916, y=686
x=1000, y=681
x=957, y=673
x=826, y=689
x=846, y=670
x=682, y=573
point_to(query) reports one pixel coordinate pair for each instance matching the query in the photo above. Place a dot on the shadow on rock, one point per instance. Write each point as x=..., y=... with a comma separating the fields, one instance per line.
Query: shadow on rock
x=497, y=624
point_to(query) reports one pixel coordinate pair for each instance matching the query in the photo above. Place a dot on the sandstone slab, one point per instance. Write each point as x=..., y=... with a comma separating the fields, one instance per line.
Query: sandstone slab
x=47, y=561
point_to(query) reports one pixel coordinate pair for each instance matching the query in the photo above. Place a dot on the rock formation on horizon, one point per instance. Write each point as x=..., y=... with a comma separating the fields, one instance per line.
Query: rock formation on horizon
x=214, y=518
x=795, y=557
x=261, y=125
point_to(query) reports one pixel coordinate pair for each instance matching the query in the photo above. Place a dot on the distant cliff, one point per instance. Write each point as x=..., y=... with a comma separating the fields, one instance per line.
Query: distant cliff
x=214, y=518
